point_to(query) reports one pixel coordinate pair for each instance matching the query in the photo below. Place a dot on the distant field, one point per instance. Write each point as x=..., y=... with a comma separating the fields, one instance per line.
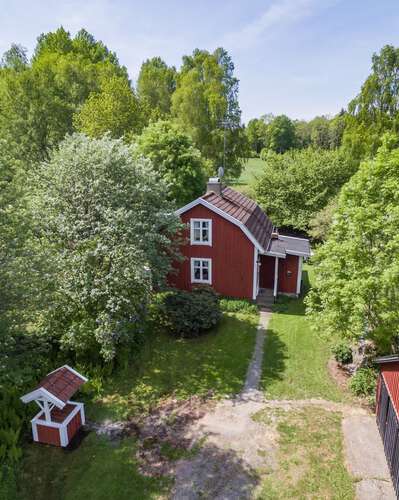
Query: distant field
x=252, y=169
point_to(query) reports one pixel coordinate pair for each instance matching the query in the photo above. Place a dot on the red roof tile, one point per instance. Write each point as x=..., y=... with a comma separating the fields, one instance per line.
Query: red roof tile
x=62, y=383
x=244, y=210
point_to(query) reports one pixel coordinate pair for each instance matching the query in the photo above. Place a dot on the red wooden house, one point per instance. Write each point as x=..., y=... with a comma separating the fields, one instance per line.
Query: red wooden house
x=233, y=246
x=59, y=419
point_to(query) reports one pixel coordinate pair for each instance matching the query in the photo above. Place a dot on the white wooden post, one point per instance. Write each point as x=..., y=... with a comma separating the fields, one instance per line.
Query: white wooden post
x=275, y=290
x=255, y=275
x=47, y=411
x=299, y=277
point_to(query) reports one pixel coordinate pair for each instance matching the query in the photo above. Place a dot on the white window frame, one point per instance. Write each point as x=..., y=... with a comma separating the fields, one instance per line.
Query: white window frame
x=201, y=221
x=193, y=279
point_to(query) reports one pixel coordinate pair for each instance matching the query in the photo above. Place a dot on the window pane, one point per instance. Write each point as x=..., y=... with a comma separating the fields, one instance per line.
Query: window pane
x=197, y=235
x=205, y=263
x=205, y=234
x=205, y=275
x=197, y=263
x=197, y=273
x=197, y=224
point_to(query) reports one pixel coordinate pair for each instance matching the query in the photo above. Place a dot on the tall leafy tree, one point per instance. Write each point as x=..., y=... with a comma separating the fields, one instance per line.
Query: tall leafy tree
x=114, y=109
x=280, y=134
x=296, y=185
x=176, y=159
x=38, y=100
x=107, y=234
x=256, y=133
x=374, y=110
x=205, y=104
x=357, y=270
x=155, y=86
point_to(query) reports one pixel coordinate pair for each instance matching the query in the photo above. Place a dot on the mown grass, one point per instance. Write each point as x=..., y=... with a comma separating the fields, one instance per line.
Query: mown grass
x=310, y=457
x=99, y=469
x=295, y=359
x=216, y=361
x=252, y=170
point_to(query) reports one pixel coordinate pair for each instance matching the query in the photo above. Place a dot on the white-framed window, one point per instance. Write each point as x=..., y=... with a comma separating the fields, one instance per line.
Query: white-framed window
x=201, y=270
x=201, y=231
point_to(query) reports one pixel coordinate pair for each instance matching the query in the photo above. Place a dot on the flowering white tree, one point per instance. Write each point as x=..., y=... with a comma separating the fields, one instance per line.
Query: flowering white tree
x=108, y=237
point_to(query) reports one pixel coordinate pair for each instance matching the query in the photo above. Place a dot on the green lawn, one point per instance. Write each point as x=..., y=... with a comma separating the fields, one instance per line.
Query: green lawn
x=99, y=469
x=295, y=360
x=252, y=170
x=215, y=362
x=310, y=456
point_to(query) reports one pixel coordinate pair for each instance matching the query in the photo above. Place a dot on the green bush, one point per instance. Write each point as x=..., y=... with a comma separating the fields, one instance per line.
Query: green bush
x=187, y=314
x=342, y=352
x=231, y=305
x=363, y=382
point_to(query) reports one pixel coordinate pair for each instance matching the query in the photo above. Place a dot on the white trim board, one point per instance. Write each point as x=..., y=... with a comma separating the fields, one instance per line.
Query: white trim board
x=43, y=393
x=255, y=275
x=206, y=204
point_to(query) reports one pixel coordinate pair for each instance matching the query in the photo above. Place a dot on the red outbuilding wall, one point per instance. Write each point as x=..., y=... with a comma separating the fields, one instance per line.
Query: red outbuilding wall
x=288, y=274
x=48, y=435
x=232, y=255
x=74, y=425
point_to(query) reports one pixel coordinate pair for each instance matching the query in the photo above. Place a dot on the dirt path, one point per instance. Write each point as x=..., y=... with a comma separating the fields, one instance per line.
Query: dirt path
x=237, y=449
x=365, y=458
x=251, y=386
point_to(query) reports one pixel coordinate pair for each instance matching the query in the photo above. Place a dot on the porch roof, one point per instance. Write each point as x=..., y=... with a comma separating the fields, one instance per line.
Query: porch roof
x=289, y=245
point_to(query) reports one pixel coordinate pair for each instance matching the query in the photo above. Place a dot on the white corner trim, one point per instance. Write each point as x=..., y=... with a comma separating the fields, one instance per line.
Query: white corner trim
x=206, y=243
x=35, y=434
x=299, y=276
x=63, y=436
x=206, y=204
x=275, y=287
x=255, y=275
x=193, y=280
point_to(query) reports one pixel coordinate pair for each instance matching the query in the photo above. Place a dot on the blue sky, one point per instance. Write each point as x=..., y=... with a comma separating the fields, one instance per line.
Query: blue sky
x=298, y=57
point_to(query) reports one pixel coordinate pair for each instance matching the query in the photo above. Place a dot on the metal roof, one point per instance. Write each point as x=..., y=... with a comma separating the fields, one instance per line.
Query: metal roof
x=244, y=210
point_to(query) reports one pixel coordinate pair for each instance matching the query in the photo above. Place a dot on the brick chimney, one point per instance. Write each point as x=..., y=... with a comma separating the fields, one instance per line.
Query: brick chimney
x=214, y=185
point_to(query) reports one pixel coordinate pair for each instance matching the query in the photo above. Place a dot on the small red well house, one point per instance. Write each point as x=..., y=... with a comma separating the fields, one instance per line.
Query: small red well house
x=59, y=419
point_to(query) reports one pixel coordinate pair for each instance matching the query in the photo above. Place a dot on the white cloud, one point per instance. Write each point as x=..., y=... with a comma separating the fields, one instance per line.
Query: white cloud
x=278, y=14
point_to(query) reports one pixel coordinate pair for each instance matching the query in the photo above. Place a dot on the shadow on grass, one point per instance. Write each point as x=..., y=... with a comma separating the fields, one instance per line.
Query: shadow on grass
x=167, y=366
x=215, y=473
x=98, y=470
x=274, y=361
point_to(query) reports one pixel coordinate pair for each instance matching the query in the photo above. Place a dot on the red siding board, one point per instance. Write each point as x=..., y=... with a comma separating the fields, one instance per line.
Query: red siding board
x=232, y=255
x=73, y=426
x=48, y=435
x=287, y=274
